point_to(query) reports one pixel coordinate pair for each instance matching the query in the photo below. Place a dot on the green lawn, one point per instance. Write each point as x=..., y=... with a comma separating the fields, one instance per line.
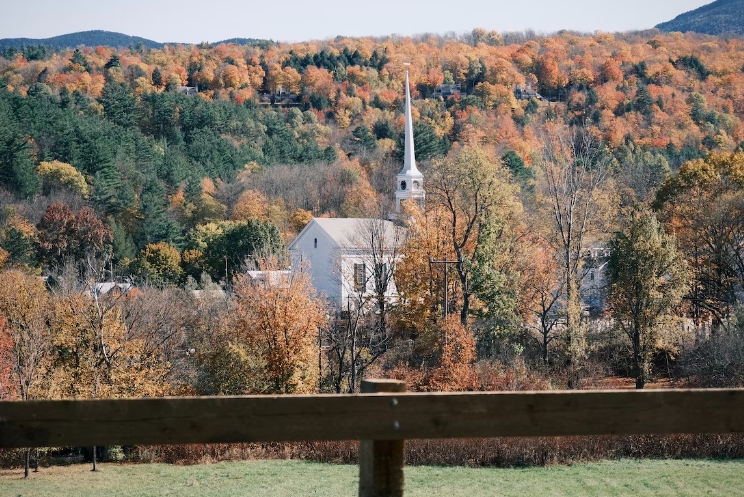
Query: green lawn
x=289, y=478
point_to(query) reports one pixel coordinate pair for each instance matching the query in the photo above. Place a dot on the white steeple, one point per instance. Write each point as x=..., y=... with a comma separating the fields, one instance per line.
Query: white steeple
x=410, y=180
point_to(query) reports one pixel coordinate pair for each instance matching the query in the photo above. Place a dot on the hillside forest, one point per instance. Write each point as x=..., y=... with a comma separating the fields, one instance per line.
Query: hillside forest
x=131, y=208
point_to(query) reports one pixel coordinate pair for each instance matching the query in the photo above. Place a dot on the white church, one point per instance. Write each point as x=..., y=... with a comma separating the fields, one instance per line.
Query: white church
x=350, y=259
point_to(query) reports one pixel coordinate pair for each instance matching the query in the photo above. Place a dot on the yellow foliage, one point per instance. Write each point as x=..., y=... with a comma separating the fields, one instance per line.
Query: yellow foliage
x=300, y=218
x=56, y=175
x=277, y=322
x=251, y=204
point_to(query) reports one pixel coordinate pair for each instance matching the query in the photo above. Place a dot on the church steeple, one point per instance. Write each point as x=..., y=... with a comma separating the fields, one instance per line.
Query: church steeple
x=410, y=180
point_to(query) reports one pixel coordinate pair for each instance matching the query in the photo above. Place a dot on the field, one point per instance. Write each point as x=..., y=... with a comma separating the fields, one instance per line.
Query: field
x=288, y=478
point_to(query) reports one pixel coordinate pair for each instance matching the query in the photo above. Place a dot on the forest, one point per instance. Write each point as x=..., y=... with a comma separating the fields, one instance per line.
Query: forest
x=138, y=185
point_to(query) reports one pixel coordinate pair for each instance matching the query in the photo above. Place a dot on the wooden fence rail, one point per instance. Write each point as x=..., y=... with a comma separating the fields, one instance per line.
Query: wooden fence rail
x=388, y=415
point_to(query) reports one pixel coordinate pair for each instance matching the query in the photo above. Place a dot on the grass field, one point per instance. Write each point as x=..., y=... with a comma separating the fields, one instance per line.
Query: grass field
x=290, y=478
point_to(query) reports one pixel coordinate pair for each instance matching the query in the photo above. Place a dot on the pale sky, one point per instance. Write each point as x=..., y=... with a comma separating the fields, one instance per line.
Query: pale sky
x=194, y=21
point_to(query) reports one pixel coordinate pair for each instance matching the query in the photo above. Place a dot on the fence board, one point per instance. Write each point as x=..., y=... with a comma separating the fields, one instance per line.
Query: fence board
x=368, y=416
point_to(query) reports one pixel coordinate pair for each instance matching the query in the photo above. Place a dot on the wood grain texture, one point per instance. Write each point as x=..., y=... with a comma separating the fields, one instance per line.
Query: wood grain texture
x=368, y=417
x=381, y=462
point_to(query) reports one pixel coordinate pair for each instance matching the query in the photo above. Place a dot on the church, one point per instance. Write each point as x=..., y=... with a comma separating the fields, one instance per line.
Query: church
x=350, y=259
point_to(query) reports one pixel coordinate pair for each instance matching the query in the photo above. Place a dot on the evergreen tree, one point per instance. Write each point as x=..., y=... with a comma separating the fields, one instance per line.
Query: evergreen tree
x=119, y=105
x=364, y=138
x=157, y=78
x=16, y=166
x=79, y=59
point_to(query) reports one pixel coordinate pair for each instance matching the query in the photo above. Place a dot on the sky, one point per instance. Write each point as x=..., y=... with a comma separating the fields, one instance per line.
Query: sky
x=194, y=21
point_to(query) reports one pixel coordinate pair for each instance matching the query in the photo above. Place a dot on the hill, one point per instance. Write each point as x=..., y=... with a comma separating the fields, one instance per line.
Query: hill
x=89, y=38
x=721, y=16
x=108, y=39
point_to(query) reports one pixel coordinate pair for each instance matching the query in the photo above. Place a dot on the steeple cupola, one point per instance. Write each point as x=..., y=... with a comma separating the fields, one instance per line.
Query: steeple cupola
x=410, y=180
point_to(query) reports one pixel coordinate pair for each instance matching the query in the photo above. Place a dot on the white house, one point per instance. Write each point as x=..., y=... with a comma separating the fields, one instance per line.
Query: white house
x=349, y=259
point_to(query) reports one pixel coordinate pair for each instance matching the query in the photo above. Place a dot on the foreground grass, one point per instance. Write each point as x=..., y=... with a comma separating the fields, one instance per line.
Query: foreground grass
x=289, y=478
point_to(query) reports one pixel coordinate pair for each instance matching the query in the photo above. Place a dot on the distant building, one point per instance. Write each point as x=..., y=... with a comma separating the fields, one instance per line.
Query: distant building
x=595, y=283
x=105, y=287
x=446, y=91
x=526, y=92
x=188, y=90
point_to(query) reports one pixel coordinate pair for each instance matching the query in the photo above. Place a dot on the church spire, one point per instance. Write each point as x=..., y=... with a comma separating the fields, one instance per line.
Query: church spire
x=410, y=180
x=409, y=161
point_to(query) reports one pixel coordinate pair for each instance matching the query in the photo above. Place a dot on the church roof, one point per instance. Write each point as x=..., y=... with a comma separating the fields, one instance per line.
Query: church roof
x=350, y=232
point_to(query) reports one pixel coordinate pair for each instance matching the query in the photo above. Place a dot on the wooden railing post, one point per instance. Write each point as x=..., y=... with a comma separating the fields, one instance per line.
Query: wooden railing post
x=381, y=461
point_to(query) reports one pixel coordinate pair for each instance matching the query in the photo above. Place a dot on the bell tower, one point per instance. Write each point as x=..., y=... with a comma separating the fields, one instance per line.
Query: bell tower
x=410, y=180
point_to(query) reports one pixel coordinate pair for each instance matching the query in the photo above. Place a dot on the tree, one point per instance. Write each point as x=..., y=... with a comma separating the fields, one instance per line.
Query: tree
x=96, y=355
x=268, y=341
x=648, y=278
x=79, y=59
x=119, y=104
x=703, y=205
x=251, y=204
x=227, y=247
x=160, y=263
x=542, y=292
x=574, y=170
x=364, y=138
x=56, y=175
x=63, y=234
x=24, y=305
x=18, y=239
x=16, y=164
x=480, y=207
x=157, y=78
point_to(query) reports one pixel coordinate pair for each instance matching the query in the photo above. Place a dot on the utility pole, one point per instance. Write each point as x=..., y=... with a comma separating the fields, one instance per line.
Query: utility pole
x=445, y=263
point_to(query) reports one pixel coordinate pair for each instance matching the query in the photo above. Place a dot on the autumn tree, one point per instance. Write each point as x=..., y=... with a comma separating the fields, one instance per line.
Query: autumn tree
x=63, y=234
x=481, y=208
x=96, y=356
x=269, y=339
x=574, y=172
x=56, y=175
x=541, y=292
x=160, y=263
x=703, y=206
x=24, y=309
x=648, y=279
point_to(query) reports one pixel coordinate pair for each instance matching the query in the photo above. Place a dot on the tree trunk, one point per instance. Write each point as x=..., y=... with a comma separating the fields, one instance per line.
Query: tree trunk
x=638, y=360
x=94, y=459
x=26, y=462
x=573, y=331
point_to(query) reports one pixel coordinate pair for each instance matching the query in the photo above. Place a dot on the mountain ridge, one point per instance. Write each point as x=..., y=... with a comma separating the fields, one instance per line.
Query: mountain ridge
x=100, y=37
x=717, y=18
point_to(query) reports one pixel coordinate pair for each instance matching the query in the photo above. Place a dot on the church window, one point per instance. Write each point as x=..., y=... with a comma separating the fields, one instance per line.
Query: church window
x=315, y=243
x=360, y=277
x=402, y=185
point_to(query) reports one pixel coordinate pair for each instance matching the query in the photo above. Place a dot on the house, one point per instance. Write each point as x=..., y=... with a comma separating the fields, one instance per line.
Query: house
x=526, y=92
x=188, y=90
x=348, y=259
x=448, y=90
x=595, y=283
x=104, y=287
